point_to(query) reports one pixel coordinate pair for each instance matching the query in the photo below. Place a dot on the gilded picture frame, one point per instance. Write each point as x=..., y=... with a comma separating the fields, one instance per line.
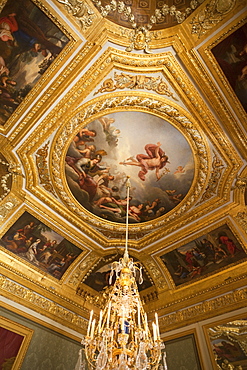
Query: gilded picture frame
x=226, y=341
x=16, y=329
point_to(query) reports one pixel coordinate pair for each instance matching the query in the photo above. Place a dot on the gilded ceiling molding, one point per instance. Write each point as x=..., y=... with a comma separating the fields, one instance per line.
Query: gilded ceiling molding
x=126, y=81
x=43, y=171
x=157, y=276
x=82, y=13
x=210, y=15
x=241, y=218
x=47, y=307
x=7, y=207
x=240, y=183
x=10, y=180
x=206, y=309
x=140, y=36
x=111, y=58
x=215, y=176
x=109, y=103
x=80, y=271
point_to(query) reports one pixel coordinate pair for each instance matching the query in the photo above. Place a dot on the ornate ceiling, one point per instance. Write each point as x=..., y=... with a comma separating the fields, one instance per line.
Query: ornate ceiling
x=90, y=100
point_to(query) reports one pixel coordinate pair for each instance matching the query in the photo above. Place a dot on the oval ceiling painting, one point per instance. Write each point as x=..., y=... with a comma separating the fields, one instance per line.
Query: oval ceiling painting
x=153, y=153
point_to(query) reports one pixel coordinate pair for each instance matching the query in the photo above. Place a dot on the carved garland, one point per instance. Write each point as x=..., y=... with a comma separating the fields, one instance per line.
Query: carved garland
x=131, y=101
x=140, y=36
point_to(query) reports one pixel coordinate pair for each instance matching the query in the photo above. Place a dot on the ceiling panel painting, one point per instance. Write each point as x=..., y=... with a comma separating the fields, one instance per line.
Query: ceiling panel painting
x=134, y=144
x=29, y=43
x=33, y=241
x=231, y=55
x=99, y=278
x=205, y=255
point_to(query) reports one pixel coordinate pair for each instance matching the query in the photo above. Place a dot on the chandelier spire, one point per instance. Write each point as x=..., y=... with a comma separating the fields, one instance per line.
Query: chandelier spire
x=121, y=340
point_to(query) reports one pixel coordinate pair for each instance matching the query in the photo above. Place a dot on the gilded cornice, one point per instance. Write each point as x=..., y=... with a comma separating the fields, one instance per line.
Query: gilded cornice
x=40, y=303
x=57, y=312
x=204, y=310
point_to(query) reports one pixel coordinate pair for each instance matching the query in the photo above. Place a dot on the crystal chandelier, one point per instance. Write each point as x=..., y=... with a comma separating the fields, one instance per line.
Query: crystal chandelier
x=121, y=339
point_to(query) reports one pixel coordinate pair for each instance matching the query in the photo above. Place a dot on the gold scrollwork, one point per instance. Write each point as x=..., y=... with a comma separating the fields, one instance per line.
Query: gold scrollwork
x=157, y=276
x=218, y=167
x=127, y=81
x=240, y=183
x=210, y=15
x=82, y=269
x=242, y=220
x=80, y=11
x=41, y=163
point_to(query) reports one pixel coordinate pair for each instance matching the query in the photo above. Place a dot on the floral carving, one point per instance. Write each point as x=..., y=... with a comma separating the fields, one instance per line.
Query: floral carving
x=210, y=15
x=41, y=163
x=214, y=179
x=80, y=11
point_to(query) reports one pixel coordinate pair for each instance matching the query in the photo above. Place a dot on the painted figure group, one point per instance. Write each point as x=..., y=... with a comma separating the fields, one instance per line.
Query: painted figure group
x=196, y=261
x=47, y=254
x=21, y=41
x=101, y=187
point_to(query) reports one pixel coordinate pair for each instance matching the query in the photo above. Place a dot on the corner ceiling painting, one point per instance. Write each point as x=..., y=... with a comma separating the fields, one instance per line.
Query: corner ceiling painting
x=37, y=243
x=204, y=255
x=231, y=54
x=135, y=144
x=29, y=43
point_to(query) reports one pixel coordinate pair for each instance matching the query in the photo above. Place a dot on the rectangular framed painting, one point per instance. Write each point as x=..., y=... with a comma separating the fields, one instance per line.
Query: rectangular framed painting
x=182, y=353
x=29, y=43
x=36, y=243
x=14, y=342
x=231, y=55
x=207, y=254
x=226, y=341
